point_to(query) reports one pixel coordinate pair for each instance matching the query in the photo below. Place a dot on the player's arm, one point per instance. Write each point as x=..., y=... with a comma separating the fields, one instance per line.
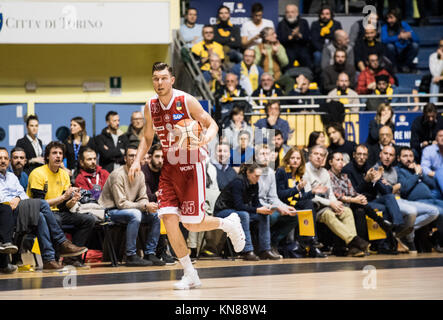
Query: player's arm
x=198, y=113
x=145, y=144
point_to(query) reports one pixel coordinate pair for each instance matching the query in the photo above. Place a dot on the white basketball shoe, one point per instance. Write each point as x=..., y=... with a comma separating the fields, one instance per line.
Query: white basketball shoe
x=235, y=232
x=188, y=281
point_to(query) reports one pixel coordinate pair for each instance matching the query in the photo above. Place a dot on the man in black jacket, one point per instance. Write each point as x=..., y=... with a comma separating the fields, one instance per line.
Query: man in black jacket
x=228, y=35
x=293, y=34
x=111, y=143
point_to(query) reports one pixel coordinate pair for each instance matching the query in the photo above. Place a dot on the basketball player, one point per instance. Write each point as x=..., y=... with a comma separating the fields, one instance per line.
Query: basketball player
x=182, y=180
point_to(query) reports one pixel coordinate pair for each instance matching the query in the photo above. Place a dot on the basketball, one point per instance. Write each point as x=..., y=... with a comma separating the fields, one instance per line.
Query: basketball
x=187, y=130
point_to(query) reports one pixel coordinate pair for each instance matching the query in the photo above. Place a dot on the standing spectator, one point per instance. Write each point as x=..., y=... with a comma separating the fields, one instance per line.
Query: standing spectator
x=128, y=203
x=366, y=80
x=424, y=129
x=77, y=139
x=203, y=49
x=32, y=145
x=338, y=142
x=50, y=183
x=225, y=173
x=267, y=88
x=383, y=117
x=340, y=41
x=228, y=35
x=432, y=164
x=401, y=42
x=330, y=73
x=343, y=89
x=191, y=31
x=322, y=32
x=366, y=45
x=236, y=125
x=111, y=143
x=250, y=30
x=215, y=76
x=270, y=54
x=91, y=176
x=272, y=121
x=18, y=163
x=293, y=33
x=241, y=196
x=135, y=129
x=337, y=217
x=436, y=69
x=248, y=72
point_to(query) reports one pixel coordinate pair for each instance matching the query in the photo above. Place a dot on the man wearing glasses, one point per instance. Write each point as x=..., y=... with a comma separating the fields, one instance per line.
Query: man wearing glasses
x=203, y=50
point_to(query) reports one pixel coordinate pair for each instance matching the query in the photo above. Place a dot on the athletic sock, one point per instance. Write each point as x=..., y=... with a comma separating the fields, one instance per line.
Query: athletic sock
x=186, y=264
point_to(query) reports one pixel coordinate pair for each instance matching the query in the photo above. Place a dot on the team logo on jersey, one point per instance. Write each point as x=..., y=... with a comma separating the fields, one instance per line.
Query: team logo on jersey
x=157, y=119
x=167, y=117
x=178, y=105
x=177, y=116
x=155, y=107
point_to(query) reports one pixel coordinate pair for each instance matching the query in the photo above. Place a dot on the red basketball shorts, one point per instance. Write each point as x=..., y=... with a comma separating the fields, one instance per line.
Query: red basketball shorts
x=182, y=191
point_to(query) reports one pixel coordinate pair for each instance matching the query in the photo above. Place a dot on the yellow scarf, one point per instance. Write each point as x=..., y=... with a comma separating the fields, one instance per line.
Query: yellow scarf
x=224, y=33
x=371, y=43
x=343, y=100
x=291, y=183
x=389, y=91
x=326, y=29
x=262, y=95
x=228, y=97
x=252, y=74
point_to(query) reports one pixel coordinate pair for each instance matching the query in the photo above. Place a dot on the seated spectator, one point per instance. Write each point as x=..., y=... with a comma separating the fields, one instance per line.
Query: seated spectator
x=280, y=148
x=424, y=129
x=273, y=121
x=436, y=69
x=385, y=138
x=365, y=45
x=215, y=76
x=343, y=89
x=315, y=137
x=230, y=90
x=322, y=32
x=77, y=139
x=337, y=217
x=152, y=170
x=250, y=30
x=244, y=153
x=236, y=125
x=340, y=41
x=424, y=213
x=228, y=35
x=303, y=88
x=128, y=203
x=432, y=164
x=345, y=192
x=366, y=80
x=135, y=129
x=294, y=192
x=242, y=196
x=6, y=231
x=91, y=176
x=267, y=88
x=416, y=187
x=382, y=87
x=338, y=142
x=270, y=54
x=18, y=163
x=293, y=33
x=358, y=30
x=50, y=183
x=32, y=145
x=383, y=117
x=331, y=72
x=224, y=172
x=203, y=49
x=111, y=143
x=401, y=42
x=248, y=72
x=191, y=31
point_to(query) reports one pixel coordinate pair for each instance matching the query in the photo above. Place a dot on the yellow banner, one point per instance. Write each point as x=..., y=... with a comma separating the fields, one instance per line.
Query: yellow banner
x=374, y=230
x=306, y=223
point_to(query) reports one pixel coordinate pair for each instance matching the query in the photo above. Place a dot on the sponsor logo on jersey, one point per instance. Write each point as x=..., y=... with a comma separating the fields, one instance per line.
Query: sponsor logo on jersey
x=155, y=107
x=157, y=119
x=167, y=117
x=177, y=116
x=186, y=168
x=159, y=128
x=178, y=105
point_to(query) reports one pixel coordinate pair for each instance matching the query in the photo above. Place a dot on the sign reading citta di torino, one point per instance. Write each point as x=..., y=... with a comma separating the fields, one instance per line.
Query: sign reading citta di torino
x=85, y=22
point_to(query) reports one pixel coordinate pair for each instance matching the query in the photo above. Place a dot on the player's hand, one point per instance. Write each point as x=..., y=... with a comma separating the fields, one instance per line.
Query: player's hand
x=133, y=171
x=203, y=141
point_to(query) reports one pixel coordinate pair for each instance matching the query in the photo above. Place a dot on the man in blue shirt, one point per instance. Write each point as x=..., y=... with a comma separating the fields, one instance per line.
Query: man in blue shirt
x=401, y=42
x=18, y=162
x=432, y=164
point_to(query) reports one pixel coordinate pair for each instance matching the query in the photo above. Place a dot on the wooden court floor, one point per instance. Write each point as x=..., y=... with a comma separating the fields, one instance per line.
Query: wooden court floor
x=377, y=277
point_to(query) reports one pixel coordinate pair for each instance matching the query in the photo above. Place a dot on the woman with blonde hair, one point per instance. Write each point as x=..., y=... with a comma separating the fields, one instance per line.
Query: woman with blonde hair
x=383, y=117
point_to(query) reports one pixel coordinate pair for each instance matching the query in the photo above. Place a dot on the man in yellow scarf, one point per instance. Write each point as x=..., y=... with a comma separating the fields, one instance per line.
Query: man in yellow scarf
x=248, y=72
x=228, y=35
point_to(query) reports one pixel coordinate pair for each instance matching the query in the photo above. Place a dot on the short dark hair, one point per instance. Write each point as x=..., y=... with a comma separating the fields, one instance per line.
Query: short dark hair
x=81, y=155
x=326, y=6
x=110, y=114
x=154, y=148
x=360, y=145
x=52, y=145
x=223, y=7
x=278, y=133
x=312, y=141
x=256, y=7
x=31, y=117
x=132, y=147
x=3, y=148
x=189, y=9
x=429, y=108
x=160, y=66
x=338, y=127
x=403, y=148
